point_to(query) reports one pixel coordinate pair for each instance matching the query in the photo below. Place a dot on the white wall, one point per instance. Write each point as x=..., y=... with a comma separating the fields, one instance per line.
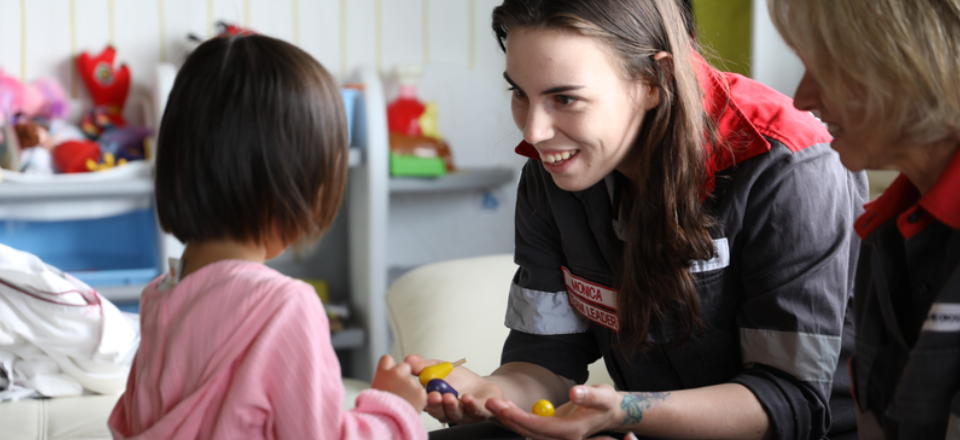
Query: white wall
x=451, y=39
x=773, y=62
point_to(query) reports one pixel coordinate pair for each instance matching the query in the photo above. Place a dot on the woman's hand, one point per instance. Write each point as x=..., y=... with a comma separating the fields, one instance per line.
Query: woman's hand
x=396, y=378
x=474, y=391
x=590, y=410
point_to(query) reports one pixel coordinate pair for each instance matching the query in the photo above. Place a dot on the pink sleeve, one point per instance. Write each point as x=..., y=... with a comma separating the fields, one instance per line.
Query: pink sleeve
x=305, y=388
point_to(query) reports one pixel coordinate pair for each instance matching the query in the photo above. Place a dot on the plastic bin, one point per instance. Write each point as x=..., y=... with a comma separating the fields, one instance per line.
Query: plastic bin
x=109, y=251
x=349, y=104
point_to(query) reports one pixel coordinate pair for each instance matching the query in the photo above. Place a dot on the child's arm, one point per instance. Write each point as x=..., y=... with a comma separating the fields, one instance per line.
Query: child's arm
x=307, y=391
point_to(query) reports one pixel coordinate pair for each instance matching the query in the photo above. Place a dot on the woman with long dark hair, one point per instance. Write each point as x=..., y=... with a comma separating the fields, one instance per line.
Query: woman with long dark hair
x=689, y=226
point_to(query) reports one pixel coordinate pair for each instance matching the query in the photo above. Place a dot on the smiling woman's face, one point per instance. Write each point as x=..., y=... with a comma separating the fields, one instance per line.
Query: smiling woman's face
x=573, y=104
x=860, y=146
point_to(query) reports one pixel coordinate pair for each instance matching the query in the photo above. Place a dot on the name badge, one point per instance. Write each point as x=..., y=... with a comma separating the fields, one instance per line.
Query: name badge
x=720, y=261
x=943, y=318
x=596, y=302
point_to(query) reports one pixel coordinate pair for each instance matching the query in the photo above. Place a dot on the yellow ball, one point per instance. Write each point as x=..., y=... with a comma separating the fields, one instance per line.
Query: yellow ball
x=543, y=408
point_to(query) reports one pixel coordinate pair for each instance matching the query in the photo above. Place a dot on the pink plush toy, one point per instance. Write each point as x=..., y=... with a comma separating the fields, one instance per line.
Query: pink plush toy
x=11, y=94
x=42, y=98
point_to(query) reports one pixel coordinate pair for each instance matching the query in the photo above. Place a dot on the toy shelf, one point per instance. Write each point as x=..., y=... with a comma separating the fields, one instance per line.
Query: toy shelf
x=356, y=157
x=90, y=225
x=368, y=211
x=461, y=180
x=348, y=338
x=35, y=192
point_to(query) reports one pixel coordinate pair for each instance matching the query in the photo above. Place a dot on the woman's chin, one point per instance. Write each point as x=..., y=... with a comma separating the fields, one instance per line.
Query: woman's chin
x=572, y=183
x=850, y=160
x=855, y=164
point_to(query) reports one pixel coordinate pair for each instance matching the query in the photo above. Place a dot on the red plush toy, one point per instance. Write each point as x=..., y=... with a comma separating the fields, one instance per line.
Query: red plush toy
x=108, y=86
x=72, y=156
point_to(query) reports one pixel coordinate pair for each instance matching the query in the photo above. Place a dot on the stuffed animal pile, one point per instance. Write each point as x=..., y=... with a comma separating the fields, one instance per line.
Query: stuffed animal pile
x=36, y=138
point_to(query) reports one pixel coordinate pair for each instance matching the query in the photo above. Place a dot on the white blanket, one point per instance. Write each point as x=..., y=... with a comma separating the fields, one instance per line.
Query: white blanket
x=58, y=336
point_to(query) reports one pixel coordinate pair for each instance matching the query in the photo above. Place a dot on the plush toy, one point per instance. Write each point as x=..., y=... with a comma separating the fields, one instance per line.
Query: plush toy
x=42, y=98
x=125, y=143
x=35, y=145
x=11, y=95
x=108, y=86
x=416, y=146
x=224, y=29
x=96, y=122
x=72, y=156
x=36, y=160
x=9, y=152
x=420, y=150
x=108, y=162
x=29, y=109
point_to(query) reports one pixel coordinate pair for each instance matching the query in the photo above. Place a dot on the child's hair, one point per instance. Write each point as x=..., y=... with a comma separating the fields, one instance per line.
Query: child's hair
x=253, y=142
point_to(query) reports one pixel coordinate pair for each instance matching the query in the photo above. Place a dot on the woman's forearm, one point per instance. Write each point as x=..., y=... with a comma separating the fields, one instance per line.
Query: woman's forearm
x=716, y=412
x=523, y=384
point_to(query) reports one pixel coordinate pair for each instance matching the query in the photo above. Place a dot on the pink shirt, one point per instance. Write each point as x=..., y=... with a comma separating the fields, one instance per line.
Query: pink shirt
x=238, y=350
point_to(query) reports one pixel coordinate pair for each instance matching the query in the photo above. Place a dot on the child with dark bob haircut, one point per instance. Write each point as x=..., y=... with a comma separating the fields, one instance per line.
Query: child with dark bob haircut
x=252, y=156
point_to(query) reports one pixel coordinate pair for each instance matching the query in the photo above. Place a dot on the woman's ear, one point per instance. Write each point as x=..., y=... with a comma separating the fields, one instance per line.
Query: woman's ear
x=665, y=61
x=651, y=94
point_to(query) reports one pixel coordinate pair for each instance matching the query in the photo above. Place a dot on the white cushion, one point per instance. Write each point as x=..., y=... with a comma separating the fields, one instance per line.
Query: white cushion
x=85, y=417
x=73, y=418
x=455, y=309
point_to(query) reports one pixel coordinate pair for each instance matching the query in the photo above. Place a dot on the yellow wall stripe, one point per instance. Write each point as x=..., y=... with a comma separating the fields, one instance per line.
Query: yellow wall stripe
x=425, y=33
x=110, y=38
x=73, y=48
x=246, y=14
x=23, y=40
x=163, y=31
x=472, y=34
x=295, y=12
x=343, y=40
x=378, y=34
x=209, y=18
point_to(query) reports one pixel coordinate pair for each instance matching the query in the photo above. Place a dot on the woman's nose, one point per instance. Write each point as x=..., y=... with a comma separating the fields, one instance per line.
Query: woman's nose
x=807, y=97
x=538, y=127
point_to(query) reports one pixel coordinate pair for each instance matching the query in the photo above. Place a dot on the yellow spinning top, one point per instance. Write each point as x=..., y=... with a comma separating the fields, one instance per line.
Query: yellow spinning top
x=438, y=371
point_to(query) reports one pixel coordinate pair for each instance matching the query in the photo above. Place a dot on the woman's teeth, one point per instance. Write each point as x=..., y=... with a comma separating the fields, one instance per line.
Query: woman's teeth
x=554, y=159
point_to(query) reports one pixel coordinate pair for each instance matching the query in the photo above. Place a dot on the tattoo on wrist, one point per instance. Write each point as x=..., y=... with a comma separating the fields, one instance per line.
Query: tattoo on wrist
x=633, y=404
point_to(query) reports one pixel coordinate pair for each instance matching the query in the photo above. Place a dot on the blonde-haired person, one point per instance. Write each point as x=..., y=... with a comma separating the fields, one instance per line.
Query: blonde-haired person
x=883, y=74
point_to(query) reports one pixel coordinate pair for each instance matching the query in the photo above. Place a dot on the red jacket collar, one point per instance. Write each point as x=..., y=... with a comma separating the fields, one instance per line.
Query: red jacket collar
x=940, y=202
x=745, y=112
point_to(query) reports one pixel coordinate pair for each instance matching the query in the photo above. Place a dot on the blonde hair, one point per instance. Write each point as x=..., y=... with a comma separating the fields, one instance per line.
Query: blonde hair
x=895, y=61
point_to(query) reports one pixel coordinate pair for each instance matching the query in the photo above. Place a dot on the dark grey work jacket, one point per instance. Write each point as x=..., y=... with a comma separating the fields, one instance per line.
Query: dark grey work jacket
x=907, y=365
x=774, y=299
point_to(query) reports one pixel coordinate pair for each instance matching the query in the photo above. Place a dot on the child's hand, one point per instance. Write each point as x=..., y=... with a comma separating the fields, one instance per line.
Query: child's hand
x=398, y=379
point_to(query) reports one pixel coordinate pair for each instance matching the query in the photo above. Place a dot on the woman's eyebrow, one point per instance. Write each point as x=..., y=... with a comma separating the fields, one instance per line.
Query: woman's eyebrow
x=510, y=81
x=550, y=91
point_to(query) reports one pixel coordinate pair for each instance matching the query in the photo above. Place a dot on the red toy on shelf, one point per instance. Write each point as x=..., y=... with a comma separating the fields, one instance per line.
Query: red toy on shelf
x=403, y=114
x=108, y=85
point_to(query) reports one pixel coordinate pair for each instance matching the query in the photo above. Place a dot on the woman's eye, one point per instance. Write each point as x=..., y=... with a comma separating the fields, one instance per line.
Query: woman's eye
x=517, y=93
x=564, y=99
